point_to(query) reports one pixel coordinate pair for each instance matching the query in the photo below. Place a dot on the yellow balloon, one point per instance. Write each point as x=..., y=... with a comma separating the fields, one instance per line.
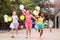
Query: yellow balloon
x=9, y=19
x=22, y=17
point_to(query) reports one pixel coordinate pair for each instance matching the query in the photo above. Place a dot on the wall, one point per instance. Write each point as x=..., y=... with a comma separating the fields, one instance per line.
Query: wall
x=57, y=5
x=58, y=14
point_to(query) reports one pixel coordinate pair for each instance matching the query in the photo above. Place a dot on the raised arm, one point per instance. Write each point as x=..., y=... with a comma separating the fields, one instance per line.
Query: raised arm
x=24, y=12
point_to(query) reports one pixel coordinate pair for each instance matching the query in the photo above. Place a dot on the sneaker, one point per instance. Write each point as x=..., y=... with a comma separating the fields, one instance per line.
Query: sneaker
x=12, y=36
x=26, y=37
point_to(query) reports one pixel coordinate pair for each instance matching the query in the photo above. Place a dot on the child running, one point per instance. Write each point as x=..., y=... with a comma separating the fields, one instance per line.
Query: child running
x=50, y=24
x=28, y=22
x=14, y=24
x=40, y=24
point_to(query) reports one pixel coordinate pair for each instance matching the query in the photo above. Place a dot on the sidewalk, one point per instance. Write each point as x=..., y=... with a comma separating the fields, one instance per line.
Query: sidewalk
x=54, y=35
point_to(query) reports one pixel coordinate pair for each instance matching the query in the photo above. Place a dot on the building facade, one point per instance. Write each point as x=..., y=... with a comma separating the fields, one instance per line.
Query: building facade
x=57, y=13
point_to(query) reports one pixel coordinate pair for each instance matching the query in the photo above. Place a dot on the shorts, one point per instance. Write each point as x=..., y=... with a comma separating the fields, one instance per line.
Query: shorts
x=39, y=26
x=14, y=25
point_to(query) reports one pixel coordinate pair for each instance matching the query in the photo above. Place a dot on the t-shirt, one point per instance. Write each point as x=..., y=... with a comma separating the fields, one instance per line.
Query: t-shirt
x=50, y=23
x=15, y=19
x=40, y=20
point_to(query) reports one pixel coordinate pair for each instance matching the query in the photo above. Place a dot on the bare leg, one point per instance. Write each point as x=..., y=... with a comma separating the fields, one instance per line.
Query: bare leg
x=41, y=32
x=50, y=29
x=12, y=32
x=26, y=31
x=30, y=32
x=17, y=31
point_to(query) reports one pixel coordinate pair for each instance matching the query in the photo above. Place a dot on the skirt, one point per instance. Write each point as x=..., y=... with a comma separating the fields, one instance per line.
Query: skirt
x=39, y=26
x=28, y=23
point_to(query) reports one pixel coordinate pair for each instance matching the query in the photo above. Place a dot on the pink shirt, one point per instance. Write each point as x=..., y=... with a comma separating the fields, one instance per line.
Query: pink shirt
x=28, y=17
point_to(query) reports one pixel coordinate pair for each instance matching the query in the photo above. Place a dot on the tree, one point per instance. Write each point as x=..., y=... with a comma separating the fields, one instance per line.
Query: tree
x=7, y=6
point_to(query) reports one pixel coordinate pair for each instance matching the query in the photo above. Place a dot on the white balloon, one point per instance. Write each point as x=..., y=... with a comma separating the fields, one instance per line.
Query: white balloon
x=35, y=12
x=5, y=18
x=21, y=7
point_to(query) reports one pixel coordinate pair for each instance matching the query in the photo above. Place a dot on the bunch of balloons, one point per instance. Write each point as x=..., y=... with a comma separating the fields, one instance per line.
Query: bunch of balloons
x=21, y=7
x=7, y=18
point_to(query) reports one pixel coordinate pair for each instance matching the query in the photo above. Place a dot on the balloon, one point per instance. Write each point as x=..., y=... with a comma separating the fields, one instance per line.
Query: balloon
x=21, y=7
x=35, y=12
x=22, y=17
x=5, y=18
x=9, y=19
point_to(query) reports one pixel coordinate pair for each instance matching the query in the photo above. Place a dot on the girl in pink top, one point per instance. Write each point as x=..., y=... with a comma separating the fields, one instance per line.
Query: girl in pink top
x=28, y=22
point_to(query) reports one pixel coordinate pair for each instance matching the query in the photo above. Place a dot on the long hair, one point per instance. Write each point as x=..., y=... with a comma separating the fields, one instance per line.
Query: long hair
x=30, y=11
